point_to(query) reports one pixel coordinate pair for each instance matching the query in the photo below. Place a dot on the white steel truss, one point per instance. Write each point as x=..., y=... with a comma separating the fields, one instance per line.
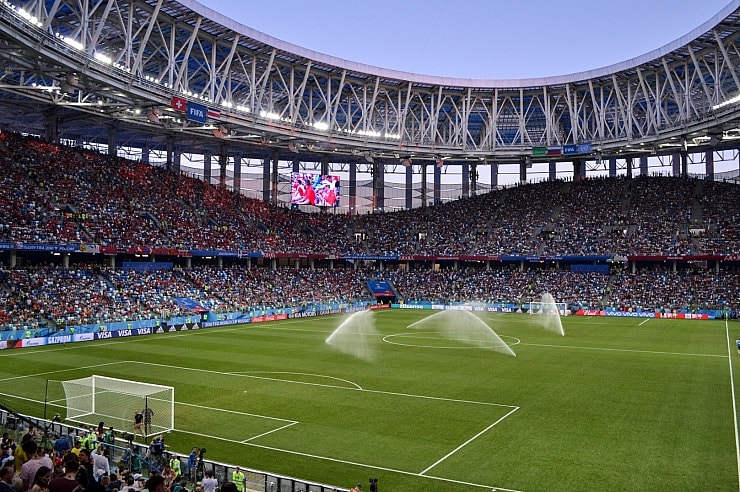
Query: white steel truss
x=141, y=53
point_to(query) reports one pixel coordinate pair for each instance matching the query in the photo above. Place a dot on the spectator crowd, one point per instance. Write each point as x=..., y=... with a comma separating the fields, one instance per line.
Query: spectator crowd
x=52, y=194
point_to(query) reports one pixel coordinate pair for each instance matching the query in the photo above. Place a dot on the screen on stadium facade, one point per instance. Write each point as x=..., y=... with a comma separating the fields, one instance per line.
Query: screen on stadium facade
x=314, y=189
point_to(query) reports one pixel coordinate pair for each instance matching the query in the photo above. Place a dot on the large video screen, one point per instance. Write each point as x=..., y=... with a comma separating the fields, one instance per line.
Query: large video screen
x=314, y=189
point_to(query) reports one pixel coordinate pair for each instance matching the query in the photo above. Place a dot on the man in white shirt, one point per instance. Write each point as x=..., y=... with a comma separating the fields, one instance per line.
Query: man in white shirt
x=100, y=462
x=30, y=467
x=209, y=483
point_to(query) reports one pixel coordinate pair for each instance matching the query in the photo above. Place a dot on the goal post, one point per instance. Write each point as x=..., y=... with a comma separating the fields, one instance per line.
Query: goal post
x=547, y=306
x=114, y=401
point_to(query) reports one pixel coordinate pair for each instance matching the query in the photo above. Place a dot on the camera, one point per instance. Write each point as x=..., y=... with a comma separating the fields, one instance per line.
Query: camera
x=373, y=485
x=202, y=451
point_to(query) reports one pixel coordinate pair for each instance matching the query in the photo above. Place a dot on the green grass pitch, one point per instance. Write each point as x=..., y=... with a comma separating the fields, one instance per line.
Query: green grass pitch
x=615, y=404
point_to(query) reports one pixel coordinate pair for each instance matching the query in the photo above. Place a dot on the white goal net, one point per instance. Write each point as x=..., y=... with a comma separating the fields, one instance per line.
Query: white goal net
x=96, y=399
x=547, y=306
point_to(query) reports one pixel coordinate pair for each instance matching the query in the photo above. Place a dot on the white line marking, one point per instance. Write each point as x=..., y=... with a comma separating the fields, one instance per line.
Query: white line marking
x=577, y=347
x=646, y=320
x=235, y=412
x=734, y=403
x=75, y=369
x=268, y=432
x=466, y=442
x=287, y=451
x=379, y=392
x=353, y=463
x=247, y=373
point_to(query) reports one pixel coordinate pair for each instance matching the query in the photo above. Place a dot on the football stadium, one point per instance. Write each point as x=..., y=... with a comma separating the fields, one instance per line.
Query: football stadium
x=230, y=263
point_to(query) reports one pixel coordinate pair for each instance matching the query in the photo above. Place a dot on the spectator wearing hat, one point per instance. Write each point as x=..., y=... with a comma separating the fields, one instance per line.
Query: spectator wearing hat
x=139, y=482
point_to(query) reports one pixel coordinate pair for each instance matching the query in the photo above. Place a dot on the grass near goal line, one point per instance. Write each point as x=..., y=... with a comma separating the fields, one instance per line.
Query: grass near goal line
x=615, y=404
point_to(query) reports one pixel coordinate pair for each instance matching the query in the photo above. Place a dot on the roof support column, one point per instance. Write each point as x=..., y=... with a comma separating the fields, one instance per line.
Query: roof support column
x=112, y=139
x=709, y=164
x=51, y=126
x=643, y=165
x=274, y=179
x=173, y=155
x=378, y=186
x=523, y=165
x=145, y=153
x=423, y=185
x=238, y=173
x=437, y=185
x=676, y=162
x=409, y=187
x=465, y=168
x=352, y=188
x=223, y=161
x=266, y=180
x=207, y=166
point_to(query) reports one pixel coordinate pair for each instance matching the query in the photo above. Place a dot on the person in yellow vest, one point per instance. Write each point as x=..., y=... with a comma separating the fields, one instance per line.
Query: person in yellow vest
x=237, y=476
x=175, y=465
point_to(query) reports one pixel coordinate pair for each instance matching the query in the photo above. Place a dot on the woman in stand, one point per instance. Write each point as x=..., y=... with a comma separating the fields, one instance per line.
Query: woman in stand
x=41, y=480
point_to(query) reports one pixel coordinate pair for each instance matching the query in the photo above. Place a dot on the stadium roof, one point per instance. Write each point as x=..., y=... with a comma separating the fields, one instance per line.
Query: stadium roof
x=84, y=73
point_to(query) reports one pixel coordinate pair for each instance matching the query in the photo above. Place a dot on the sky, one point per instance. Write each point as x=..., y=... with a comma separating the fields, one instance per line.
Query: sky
x=483, y=39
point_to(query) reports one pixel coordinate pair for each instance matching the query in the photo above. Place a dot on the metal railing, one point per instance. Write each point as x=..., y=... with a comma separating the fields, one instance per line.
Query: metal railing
x=138, y=458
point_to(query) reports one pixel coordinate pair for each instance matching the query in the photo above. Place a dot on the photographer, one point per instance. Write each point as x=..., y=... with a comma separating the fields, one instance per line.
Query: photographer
x=192, y=464
x=156, y=452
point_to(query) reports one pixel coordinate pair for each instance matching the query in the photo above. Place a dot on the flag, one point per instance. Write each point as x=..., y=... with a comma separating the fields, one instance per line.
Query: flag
x=213, y=114
x=539, y=151
x=554, y=150
x=179, y=104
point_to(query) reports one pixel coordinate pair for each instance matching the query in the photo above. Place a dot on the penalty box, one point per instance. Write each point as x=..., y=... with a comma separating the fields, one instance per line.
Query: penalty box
x=325, y=416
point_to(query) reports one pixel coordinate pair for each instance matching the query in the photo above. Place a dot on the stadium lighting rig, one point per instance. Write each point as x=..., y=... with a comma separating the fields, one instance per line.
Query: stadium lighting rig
x=732, y=100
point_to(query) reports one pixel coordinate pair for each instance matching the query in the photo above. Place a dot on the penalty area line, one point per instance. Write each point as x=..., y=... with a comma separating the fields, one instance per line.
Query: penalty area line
x=268, y=432
x=443, y=458
x=352, y=463
x=63, y=370
x=291, y=422
x=633, y=351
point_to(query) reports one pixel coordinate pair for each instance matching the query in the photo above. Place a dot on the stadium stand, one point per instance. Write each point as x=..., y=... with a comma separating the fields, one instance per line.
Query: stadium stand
x=58, y=195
